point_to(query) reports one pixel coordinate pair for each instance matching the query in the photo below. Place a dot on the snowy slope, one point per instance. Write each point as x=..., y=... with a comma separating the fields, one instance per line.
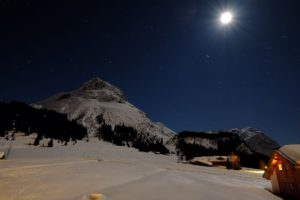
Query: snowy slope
x=99, y=98
x=256, y=140
x=119, y=173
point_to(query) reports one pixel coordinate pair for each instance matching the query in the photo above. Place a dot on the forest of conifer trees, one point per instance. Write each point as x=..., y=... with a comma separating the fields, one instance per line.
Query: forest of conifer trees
x=21, y=117
x=122, y=135
x=46, y=123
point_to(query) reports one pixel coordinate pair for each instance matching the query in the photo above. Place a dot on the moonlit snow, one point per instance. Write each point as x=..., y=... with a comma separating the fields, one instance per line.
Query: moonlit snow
x=118, y=173
x=99, y=98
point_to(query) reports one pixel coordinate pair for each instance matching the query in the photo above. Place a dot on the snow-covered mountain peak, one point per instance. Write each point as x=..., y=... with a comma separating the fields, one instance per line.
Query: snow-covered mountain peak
x=97, y=98
x=247, y=133
x=101, y=90
x=95, y=84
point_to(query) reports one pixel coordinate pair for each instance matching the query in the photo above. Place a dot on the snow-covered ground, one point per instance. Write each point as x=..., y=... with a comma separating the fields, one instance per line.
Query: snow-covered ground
x=119, y=173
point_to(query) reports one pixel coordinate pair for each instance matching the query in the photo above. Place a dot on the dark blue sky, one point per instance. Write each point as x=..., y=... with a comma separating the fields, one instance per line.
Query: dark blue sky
x=173, y=59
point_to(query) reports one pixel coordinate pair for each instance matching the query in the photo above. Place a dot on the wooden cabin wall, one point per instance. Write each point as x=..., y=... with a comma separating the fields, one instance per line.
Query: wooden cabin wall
x=288, y=178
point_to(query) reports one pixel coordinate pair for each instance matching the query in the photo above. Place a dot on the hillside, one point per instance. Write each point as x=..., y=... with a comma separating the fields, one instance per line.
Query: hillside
x=253, y=146
x=97, y=99
x=118, y=173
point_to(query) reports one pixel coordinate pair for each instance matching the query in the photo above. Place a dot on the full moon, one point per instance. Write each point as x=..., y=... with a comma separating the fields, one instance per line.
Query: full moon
x=226, y=18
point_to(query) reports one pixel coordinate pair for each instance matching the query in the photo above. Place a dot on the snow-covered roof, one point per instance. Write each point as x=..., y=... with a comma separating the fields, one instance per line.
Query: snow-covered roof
x=292, y=151
x=201, y=161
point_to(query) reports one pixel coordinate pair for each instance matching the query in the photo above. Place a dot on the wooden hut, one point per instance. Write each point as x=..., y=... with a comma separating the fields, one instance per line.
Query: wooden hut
x=231, y=162
x=283, y=170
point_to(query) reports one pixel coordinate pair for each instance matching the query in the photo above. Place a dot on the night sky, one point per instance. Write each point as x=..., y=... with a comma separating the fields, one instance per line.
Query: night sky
x=173, y=59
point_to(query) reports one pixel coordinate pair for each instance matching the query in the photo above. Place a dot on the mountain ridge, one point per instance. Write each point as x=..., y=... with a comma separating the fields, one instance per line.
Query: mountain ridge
x=97, y=97
x=252, y=145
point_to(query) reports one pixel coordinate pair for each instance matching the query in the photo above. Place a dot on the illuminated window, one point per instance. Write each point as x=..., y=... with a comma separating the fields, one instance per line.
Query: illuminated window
x=280, y=167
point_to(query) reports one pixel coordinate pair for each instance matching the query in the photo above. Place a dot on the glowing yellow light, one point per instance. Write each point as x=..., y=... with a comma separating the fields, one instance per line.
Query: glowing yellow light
x=274, y=161
x=280, y=167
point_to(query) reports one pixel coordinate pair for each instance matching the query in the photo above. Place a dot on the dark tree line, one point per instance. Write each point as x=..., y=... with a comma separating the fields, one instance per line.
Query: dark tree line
x=227, y=143
x=122, y=135
x=46, y=123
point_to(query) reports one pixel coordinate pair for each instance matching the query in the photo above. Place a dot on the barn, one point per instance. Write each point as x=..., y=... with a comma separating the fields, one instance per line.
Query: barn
x=283, y=170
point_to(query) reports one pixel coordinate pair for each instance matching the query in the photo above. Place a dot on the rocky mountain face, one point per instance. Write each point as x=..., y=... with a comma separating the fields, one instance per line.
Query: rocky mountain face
x=255, y=141
x=253, y=146
x=99, y=99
